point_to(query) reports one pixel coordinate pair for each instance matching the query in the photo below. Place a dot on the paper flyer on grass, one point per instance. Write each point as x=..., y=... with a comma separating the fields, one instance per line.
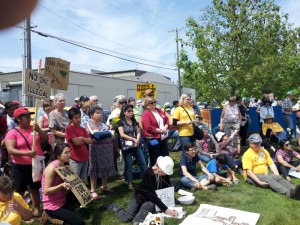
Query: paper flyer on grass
x=215, y=215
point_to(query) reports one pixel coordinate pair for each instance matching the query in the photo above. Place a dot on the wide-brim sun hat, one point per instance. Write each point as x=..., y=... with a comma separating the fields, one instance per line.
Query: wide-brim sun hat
x=166, y=164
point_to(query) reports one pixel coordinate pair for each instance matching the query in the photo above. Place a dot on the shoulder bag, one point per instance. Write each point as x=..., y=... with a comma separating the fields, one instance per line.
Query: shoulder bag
x=198, y=133
x=38, y=163
x=127, y=145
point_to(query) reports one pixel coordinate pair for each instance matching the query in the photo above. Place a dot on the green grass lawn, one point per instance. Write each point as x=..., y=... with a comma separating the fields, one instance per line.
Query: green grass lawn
x=274, y=209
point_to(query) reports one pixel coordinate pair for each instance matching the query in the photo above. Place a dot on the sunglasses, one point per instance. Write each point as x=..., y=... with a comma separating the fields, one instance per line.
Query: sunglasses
x=188, y=99
x=129, y=111
x=231, y=101
x=122, y=102
x=150, y=94
x=152, y=102
x=287, y=144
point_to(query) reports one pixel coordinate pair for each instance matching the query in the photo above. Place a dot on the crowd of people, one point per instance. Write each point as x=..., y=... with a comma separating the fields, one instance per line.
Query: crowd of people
x=96, y=148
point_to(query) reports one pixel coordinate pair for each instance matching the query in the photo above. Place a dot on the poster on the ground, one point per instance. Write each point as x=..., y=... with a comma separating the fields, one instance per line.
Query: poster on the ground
x=58, y=71
x=79, y=189
x=294, y=173
x=216, y=215
x=37, y=85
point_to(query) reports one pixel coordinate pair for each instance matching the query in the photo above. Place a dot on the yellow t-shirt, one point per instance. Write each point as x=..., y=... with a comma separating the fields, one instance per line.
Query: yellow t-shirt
x=274, y=126
x=256, y=161
x=13, y=218
x=181, y=115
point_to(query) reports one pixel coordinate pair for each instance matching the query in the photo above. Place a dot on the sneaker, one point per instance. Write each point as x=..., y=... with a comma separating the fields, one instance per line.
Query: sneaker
x=193, y=189
x=112, y=207
x=295, y=193
x=241, y=171
x=212, y=187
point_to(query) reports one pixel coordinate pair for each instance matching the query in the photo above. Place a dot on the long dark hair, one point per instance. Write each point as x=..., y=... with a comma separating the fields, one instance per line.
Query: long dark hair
x=122, y=114
x=58, y=149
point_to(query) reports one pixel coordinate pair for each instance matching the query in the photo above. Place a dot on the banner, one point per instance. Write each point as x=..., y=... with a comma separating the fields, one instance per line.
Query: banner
x=142, y=88
x=37, y=85
x=58, y=70
x=78, y=187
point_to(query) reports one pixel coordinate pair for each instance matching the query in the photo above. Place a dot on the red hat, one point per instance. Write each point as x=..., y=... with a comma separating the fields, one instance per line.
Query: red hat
x=21, y=111
x=16, y=102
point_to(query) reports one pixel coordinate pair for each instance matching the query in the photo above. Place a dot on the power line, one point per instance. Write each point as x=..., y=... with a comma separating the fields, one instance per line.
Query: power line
x=98, y=35
x=104, y=53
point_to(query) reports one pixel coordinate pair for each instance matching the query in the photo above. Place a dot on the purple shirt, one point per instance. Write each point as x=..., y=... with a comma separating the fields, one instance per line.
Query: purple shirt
x=287, y=156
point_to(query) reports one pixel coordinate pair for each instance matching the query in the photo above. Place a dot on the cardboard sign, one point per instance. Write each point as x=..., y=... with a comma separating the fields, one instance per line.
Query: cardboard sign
x=142, y=88
x=37, y=85
x=78, y=187
x=58, y=70
x=167, y=196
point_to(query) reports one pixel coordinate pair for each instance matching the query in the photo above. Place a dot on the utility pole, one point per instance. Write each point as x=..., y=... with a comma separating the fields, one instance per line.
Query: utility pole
x=26, y=55
x=178, y=69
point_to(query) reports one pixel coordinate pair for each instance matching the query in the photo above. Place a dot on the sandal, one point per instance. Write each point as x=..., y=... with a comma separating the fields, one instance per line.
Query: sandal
x=95, y=195
x=107, y=190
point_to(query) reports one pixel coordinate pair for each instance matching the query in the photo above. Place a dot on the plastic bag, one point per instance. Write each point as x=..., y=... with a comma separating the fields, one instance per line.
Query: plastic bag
x=38, y=166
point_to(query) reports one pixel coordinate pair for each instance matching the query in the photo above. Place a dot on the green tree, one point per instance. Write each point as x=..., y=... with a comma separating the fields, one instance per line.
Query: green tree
x=242, y=47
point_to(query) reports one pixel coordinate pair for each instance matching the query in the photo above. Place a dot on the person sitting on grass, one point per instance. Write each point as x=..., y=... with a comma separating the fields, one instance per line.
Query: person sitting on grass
x=188, y=175
x=284, y=159
x=215, y=166
x=255, y=163
x=145, y=198
x=207, y=146
x=13, y=207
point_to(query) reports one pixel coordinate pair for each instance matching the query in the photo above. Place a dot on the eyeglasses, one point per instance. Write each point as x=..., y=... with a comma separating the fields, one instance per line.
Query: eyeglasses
x=122, y=102
x=287, y=144
x=231, y=101
x=95, y=100
x=129, y=111
x=152, y=102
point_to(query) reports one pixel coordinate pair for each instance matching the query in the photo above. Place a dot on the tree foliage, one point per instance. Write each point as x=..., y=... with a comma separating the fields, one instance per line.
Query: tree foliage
x=242, y=47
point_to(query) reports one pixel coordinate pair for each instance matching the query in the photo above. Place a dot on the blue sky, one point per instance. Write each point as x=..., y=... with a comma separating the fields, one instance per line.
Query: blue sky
x=135, y=27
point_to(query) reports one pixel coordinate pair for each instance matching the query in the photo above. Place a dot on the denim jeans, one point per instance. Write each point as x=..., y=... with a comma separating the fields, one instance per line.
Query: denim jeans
x=288, y=121
x=231, y=162
x=135, y=212
x=185, y=139
x=173, y=133
x=80, y=168
x=139, y=156
x=188, y=183
x=285, y=170
x=205, y=158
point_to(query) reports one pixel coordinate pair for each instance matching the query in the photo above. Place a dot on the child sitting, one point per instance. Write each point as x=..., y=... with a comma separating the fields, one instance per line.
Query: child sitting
x=215, y=166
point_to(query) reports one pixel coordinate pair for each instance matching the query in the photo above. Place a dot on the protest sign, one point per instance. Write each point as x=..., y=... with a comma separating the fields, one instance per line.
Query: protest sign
x=142, y=88
x=37, y=85
x=58, y=70
x=294, y=173
x=215, y=215
x=167, y=196
x=79, y=189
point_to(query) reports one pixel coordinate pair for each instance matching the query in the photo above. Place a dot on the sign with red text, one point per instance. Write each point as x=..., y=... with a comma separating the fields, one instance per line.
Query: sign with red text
x=58, y=70
x=79, y=189
x=37, y=85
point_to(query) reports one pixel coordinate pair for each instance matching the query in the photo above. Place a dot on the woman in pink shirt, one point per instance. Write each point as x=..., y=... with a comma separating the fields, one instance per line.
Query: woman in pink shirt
x=54, y=188
x=19, y=142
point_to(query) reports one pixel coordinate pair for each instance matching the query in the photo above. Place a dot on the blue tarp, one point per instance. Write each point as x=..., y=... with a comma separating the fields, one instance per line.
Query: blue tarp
x=254, y=118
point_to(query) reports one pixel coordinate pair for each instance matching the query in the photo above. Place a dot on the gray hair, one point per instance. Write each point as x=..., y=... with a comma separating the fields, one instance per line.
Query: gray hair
x=120, y=98
x=57, y=96
x=92, y=97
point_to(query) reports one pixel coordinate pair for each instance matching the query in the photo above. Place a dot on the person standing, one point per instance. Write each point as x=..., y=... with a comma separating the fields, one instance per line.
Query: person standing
x=287, y=110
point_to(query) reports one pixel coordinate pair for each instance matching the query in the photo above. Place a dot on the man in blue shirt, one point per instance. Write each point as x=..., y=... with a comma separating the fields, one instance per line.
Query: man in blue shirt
x=215, y=166
x=188, y=175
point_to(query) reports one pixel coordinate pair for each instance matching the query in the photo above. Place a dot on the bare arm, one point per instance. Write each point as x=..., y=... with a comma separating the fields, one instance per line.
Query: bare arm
x=26, y=214
x=274, y=169
x=49, y=178
x=210, y=176
x=255, y=179
x=283, y=162
x=12, y=150
x=57, y=133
